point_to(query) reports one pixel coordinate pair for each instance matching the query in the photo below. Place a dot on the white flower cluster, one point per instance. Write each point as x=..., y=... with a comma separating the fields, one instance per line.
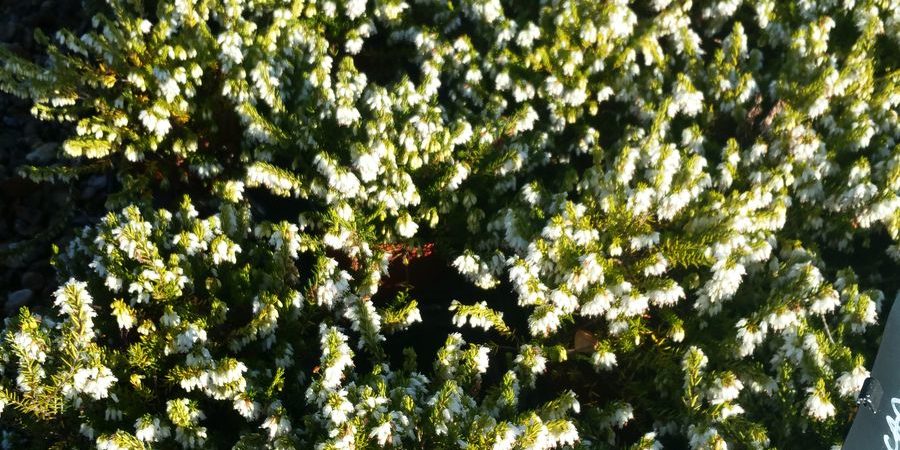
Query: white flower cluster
x=150, y=429
x=666, y=191
x=93, y=381
x=336, y=356
x=478, y=315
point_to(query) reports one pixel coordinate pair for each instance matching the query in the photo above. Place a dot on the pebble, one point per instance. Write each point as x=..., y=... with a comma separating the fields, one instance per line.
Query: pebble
x=26, y=229
x=13, y=121
x=28, y=221
x=16, y=300
x=60, y=196
x=88, y=193
x=97, y=181
x=31, y=129
x=94, y=185
x=33, y=281
x=45, y=14
x=8, y=31
x=43, y=153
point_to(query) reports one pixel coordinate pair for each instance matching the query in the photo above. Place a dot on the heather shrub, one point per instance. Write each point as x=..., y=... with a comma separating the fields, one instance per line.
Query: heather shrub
x=683, y=215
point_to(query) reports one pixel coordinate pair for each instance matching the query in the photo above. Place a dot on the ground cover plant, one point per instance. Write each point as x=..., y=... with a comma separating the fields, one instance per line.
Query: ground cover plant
x=472, y=224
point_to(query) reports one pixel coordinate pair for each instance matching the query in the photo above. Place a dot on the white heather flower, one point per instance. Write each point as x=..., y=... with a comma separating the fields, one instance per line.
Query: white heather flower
x=603, y=359
x=487, y=10
x=598, y=305
x=531, y=358
x=543, y=321
x=818, y=107
x=869, y=314
x=368, y=166
x=190, y=336
x=86, y=431
x=170, y=318
x=460, y=172
x=233, y=191
x=338, y=408
x=336, y=241
x=329, y=8
x=225, y=251
x=346, y=115
x=850, y=383
x=695, y=355
x=114, y=283
x=621, y=20
x=336, y=356
x=287, y=235
x=482, y=360
x=125, y=319
x=354, y=45
x=108, y=443
x=112, y=414
x=29, y=347
x=640, y=200
x=156, y=121
x=724, y=282
x=731, y=410
x=705, y=439
x=589, y=272
x=527, y=121
x=622, y=415
x=414, y=316
x=93, y=381
x=635, y=304
x=246, y=407
x=687, y=99
x=473, y=76
x=658, y=267
x=505, y=437
x=667, y=296
x=527, y=35
x=355, y=8
x=826, y=302
x=276, y=425
x=644, y=241
x=724, y=390
x=145, y=26
x=782, y=319
x=149, y=429
x=818, y=406
x=467, y=263
x=462, y=134
x=749, y=336
x=73, y=300
x=230, y=46
x=566, y=302
x=502, y=81
x=381, y=433
x=334, y=288
x=566, y=435
x=169, y=89
x=477, y=316
x=406, y=227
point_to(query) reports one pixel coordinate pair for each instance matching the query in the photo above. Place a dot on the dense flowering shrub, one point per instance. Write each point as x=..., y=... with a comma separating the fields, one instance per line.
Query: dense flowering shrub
x=674, y=195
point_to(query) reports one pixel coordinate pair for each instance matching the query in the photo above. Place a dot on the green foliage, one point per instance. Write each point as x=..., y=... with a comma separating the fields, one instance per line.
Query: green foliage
x=672, y=201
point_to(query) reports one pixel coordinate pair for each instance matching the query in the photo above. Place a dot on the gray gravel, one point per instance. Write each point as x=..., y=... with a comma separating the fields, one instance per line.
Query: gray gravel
x=34, y=216
x=16, y=300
